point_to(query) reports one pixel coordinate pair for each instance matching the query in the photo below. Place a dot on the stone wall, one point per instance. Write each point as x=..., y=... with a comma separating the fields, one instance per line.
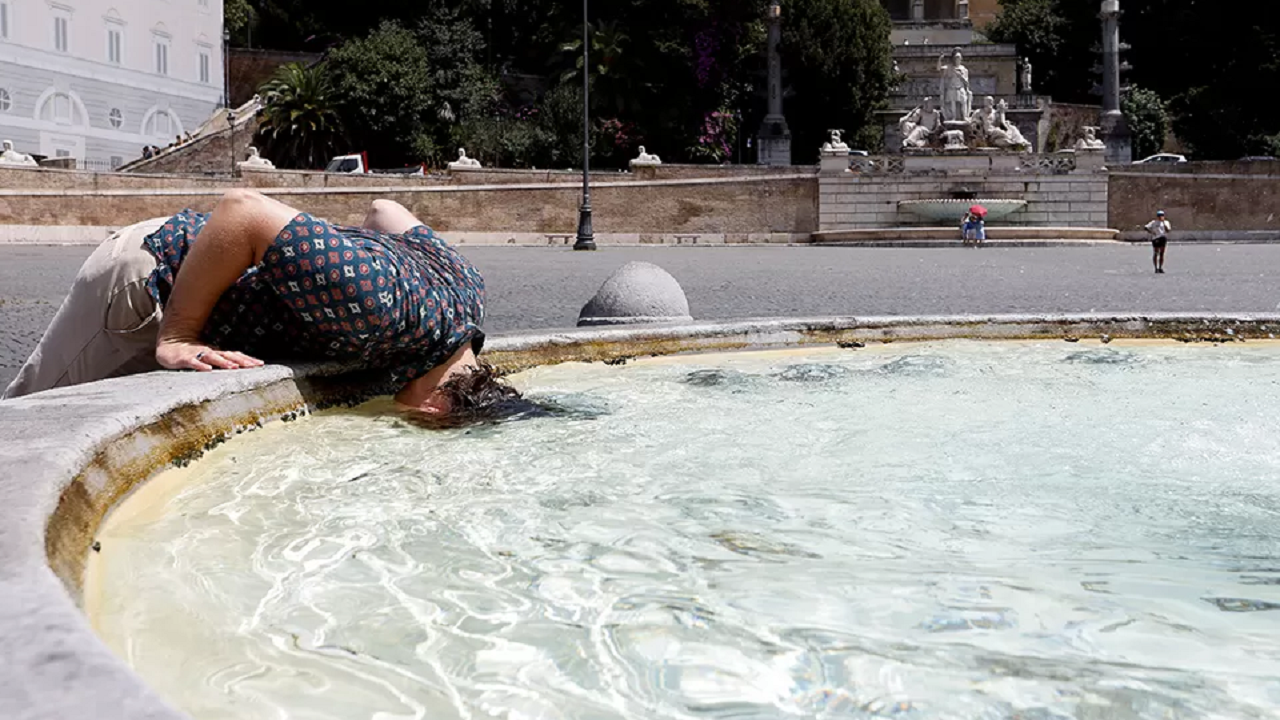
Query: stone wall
x=1056, y=196
x=1201, y=204
x=206, y=155
x=781, y=208
x=1066, y=124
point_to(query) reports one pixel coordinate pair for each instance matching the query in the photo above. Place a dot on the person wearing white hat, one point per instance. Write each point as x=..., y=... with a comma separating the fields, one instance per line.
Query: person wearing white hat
x=1158, y=230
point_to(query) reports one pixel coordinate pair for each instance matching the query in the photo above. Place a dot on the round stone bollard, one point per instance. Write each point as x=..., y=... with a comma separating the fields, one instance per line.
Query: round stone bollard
x=639, y=292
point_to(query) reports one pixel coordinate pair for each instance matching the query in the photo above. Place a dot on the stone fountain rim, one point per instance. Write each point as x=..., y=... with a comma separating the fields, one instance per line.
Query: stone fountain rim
x=67, y=455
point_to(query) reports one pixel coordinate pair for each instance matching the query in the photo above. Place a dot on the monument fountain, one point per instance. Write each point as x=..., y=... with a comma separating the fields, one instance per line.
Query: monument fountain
x=957, y=147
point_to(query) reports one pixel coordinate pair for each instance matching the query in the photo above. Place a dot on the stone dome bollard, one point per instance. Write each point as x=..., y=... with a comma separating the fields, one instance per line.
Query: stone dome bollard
x=639, y=292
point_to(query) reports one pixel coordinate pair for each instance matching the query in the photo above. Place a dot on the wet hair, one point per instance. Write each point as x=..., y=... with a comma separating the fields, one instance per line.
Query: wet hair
x=477, y=397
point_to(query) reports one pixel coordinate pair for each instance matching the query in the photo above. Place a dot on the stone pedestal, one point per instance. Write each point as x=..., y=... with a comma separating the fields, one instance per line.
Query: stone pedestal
x=833, y=161
x=775, y=149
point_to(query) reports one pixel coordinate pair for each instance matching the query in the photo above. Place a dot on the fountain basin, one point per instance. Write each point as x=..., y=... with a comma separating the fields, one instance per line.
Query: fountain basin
x=951, y=209
x=70, y=454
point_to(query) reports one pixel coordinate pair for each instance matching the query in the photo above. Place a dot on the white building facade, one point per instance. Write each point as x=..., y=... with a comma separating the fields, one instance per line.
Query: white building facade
x=97, y=80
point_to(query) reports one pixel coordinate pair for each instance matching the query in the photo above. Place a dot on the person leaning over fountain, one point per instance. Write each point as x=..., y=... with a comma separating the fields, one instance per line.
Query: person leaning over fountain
x=258, y=279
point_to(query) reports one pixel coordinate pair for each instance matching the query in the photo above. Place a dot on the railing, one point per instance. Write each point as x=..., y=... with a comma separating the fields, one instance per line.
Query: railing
x=99, y=165
x=1031, y=163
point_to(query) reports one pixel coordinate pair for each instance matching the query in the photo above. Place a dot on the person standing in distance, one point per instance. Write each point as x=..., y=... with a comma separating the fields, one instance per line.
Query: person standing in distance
x=1158, y=230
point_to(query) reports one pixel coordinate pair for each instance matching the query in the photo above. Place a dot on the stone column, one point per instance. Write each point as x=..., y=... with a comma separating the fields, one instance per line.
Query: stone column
x=774, y=137
x=1115, y=131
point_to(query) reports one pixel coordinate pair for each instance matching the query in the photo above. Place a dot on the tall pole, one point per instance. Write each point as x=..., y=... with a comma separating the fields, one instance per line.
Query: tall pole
x=774, y=137
x=586, y=238
x=1115, y=130
x=226, y=97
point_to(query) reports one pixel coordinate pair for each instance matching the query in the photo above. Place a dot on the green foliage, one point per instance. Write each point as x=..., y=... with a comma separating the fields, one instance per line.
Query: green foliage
x=237, y=15
x=504, y=77
x=1059, y=36
x=1207, y=60
x=1148, y=121
x=301, y=127
x=386, y=83
x=836, y=54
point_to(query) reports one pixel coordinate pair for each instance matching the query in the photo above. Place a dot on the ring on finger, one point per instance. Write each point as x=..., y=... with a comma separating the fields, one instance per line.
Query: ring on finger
x=199, y=356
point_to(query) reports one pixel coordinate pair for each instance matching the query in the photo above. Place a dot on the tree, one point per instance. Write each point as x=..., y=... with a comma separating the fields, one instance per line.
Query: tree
x=385, y=83
x=300, y=126
x=1148, y=121
x=1059, y=36
x=837, y=56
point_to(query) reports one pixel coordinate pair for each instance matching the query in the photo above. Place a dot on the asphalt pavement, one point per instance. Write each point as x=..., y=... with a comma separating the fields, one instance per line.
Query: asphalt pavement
x=536, y=288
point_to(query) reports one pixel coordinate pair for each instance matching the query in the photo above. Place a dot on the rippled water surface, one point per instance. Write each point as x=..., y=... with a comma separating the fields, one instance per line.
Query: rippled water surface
x=954, y=530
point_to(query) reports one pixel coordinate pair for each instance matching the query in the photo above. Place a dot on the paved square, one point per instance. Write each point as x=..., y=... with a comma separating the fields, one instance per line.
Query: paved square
x=532, y=288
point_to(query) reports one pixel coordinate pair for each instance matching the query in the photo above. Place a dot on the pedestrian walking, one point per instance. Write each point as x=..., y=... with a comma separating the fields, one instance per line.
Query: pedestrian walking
x=1158, y=230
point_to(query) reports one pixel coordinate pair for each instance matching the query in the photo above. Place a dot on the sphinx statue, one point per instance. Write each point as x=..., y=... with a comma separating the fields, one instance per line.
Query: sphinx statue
x=645, y=159
x=836, y=144
x=12, y=157
x=1090, y=140
x=256, y=161
x=463, y=162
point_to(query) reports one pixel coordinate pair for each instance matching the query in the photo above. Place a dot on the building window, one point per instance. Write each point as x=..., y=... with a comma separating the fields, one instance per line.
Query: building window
x=60, y=36
x=162, y=125
x=204, y=66
x=162, y=55
x=6, y=100
x=4, y=21
x=59, y=108
x=203, y=3
x=116, y=118
x=115, y=41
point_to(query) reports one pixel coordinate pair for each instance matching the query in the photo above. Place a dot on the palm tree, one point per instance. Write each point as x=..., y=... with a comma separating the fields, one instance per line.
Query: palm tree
x=301, y=127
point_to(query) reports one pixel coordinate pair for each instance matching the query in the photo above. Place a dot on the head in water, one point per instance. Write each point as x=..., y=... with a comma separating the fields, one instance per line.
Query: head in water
x=475, y=397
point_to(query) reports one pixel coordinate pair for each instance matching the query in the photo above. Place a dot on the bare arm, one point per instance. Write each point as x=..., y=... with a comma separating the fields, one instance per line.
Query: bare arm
x=238, y=233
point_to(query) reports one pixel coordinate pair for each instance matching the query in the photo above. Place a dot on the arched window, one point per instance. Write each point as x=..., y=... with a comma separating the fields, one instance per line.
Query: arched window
x=61, y=108
x=6, y=100
x=116, y=118
x=161, y=124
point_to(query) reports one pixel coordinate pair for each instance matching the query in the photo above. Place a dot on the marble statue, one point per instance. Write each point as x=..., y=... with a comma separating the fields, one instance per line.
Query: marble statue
x=992, y=128
x=954, y=140
x=13, y=157
x=256, y=161
x=463, y=162
x=645, y=159
x=957, y=98
x=919, y=125
x=1026, y=75
x=1005, y=134
x=1090, y=140
x=836, y=144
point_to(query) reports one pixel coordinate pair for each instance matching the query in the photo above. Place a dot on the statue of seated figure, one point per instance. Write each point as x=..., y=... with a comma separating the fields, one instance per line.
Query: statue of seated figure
x=645, y=159
x=991, y=126
x=464, y=162
x=920, y=125
x=13, y=157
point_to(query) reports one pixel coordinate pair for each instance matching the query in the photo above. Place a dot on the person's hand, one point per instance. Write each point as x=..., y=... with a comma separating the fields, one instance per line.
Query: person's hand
x=182, y=355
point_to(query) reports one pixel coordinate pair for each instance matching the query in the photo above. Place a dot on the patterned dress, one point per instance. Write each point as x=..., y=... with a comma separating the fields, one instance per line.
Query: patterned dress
x=403, y=303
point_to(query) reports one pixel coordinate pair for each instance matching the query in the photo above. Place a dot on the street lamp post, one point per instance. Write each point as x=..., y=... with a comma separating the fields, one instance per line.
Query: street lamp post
x=586, y=238
x=226, y=97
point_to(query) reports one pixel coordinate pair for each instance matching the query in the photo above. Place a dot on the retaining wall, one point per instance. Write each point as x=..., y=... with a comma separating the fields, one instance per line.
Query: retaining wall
x=1202, y=205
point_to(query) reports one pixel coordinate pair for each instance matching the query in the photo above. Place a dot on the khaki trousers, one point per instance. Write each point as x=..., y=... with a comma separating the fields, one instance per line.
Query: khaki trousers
x=108, y=324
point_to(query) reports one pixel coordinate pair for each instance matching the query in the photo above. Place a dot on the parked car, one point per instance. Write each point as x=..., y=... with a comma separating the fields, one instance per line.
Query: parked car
x=359, y=163
x=1161, y=158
